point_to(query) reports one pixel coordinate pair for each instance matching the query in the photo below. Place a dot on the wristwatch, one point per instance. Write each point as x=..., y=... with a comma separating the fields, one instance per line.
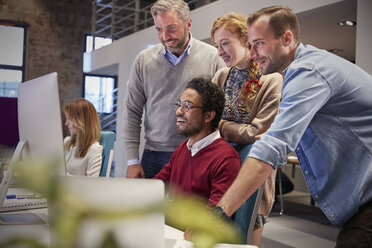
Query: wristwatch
x=219, y=212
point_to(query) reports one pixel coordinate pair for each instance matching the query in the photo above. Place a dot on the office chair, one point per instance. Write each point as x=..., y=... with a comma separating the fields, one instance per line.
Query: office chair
x=106, y=140
x=293, y=160
x=245, y=216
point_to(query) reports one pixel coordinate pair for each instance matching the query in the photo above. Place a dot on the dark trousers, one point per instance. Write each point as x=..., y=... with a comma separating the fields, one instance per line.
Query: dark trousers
x=357, y=231
x=153, y=161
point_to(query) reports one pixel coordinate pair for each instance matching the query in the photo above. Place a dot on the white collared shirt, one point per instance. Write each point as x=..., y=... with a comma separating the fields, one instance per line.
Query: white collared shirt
x=204, y=142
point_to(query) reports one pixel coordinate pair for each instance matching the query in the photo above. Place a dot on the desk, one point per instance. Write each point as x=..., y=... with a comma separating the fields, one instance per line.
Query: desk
x=38, y=231
x=173, y=237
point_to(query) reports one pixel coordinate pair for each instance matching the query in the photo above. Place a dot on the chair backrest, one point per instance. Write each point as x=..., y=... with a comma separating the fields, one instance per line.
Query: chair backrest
x=106, y=140
x=245, y=216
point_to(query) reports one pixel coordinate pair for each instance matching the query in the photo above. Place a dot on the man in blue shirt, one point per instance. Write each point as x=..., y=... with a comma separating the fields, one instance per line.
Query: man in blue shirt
x=325, y=116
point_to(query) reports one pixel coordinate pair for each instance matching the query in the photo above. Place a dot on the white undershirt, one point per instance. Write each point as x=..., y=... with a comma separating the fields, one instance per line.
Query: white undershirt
x=204, y=142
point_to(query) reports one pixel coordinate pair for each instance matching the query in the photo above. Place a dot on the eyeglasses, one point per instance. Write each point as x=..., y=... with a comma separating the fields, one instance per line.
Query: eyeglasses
x=186, y=105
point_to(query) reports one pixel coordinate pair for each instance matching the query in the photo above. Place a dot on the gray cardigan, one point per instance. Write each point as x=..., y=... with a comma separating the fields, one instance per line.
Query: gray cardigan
x=154, y=86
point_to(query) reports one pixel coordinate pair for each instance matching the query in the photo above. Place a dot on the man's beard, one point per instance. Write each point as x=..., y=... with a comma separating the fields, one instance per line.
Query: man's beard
x=277, y=64
x=189, y=131
x=179, y=45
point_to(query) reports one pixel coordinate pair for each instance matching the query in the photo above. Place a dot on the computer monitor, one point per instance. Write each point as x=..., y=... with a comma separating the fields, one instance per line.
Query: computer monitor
x=39, y=125
x=39, y=118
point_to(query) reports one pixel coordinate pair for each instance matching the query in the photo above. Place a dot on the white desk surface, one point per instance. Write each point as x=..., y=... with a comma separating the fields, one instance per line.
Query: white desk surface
x=173, y=237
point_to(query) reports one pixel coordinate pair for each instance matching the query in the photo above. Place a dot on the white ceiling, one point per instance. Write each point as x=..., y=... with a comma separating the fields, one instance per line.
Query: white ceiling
x=319, y=27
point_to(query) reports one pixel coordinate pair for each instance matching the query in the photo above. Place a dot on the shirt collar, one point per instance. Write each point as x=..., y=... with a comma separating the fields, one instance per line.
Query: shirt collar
x=204, y=142
x=173, y=59
x=300, y=47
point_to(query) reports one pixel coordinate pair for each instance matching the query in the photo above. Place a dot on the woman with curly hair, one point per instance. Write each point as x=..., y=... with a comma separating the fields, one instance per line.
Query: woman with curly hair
x=82, y=151
x=252, y=99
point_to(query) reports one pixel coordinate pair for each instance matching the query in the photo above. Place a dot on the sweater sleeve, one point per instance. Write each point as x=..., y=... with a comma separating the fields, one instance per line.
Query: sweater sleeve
x=94, y=160
x=220, y=77
x=164, y=173
x=133, y=109
x=263, y=113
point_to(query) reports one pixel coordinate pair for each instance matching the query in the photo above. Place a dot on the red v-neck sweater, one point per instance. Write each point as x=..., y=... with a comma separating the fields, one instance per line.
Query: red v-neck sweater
x=208, y=174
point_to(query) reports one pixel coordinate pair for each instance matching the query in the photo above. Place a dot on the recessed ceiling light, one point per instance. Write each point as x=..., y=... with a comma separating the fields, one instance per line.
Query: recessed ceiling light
x=347, y=23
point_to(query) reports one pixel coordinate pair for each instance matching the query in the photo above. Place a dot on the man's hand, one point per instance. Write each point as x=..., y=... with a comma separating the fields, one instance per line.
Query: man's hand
x=188, y=234
x=135, y=171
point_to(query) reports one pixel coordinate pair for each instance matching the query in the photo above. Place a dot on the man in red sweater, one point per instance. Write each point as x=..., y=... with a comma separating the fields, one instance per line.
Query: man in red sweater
x=204, y=165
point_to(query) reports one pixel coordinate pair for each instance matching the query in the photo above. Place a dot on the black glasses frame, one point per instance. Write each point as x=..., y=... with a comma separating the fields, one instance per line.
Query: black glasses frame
x=186, y=106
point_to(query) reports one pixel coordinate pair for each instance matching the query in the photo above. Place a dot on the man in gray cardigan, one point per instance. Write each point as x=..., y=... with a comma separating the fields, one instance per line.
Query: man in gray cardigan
x=158, y=76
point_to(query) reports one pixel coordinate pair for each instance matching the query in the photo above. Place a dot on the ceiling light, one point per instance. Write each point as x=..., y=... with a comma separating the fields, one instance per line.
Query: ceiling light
x=347, y=23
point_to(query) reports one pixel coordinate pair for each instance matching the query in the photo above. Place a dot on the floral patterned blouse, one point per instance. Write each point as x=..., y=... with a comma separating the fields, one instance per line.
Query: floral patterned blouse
x=238, y=96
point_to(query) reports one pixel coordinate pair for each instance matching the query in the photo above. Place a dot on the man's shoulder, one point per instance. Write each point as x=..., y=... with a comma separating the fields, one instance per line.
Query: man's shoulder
x=221, y=148
x=198, y=44
x=308, y=57
x=202, y=51
x=222, y=154
x=158, y=48
x=181, y=146
x=148, y=56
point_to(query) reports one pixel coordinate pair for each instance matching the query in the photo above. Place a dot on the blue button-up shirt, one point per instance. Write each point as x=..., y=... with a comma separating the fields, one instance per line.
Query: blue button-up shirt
x=326, y=117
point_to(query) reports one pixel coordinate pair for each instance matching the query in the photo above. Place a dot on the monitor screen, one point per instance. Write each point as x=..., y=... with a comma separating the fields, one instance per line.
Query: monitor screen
x=39, y=118
x=9, y=122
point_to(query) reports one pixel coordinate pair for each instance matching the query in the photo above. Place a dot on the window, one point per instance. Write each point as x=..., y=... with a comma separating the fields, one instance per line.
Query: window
x=99, y=90
x=98, y=42
x=12, y=57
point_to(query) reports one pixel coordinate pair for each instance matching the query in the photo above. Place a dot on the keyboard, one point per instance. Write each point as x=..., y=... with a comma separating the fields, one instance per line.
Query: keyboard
x=23, y=204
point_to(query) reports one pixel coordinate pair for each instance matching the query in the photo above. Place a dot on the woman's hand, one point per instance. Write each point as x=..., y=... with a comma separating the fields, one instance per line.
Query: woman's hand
x=257, y=137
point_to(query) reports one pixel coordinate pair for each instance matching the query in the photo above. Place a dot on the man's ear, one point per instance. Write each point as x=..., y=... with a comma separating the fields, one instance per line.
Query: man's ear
x=287, y=38
x=209, y=116
x=188, y=24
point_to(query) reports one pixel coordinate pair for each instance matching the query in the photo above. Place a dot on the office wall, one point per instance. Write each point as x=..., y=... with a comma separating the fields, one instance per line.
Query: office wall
x=363, y=53
x=118, y=57
x=55, y=39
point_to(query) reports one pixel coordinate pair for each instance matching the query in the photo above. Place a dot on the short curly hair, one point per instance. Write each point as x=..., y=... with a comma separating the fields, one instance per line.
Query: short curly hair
x=213, y=98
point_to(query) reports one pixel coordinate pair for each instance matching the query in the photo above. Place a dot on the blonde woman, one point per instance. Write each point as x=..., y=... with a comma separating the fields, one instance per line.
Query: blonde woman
x=252, y=99
x=82, y=150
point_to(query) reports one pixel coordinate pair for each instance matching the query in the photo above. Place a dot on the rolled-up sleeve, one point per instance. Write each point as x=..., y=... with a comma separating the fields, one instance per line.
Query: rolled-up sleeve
x=304, y=93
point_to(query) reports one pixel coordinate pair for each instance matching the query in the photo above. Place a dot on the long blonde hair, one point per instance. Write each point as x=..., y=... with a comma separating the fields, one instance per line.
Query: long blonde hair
x=84, y=117
x=237, y=24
